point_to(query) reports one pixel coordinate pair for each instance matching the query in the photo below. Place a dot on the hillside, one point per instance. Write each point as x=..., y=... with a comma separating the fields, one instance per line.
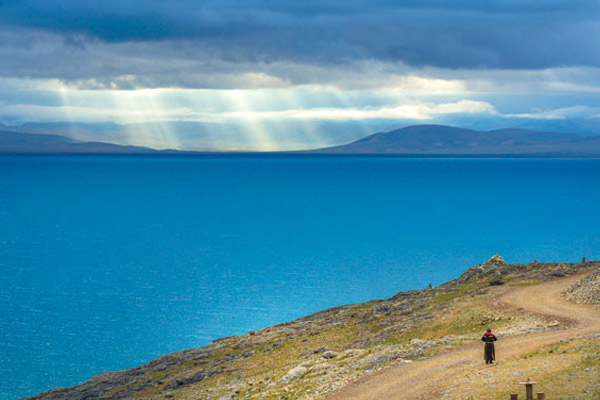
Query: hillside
x=35, y=143
x=447, y=140
x=417, y=140
x=349, y=346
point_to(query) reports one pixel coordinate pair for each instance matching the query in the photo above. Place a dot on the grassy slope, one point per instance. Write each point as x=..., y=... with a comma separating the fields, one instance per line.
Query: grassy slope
x=329, y=348
x=568, y=370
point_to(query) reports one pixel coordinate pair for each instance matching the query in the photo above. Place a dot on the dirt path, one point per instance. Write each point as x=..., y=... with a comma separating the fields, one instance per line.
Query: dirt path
x=427, y=379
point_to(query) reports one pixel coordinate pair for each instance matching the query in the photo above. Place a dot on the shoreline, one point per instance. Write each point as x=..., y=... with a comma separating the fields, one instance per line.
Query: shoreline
x=184, y=154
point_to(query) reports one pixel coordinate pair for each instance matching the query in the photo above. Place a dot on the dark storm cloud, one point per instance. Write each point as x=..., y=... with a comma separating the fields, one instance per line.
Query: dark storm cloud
x=446, y=34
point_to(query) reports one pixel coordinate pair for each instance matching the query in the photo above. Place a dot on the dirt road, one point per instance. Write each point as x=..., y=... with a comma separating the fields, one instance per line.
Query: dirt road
x=427, y=379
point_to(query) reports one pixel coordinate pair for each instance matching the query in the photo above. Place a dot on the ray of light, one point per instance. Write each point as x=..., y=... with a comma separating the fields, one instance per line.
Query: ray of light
x=141, y=106
x=258, y=135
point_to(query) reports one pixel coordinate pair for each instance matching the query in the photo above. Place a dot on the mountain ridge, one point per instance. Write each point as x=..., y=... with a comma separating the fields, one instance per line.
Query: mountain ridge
x=410, y=141
x=432, y=140
x=41, y=143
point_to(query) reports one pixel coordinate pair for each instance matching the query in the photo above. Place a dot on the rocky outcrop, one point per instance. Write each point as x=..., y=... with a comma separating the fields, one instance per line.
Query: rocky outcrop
x=496, y=270
x=490, y=267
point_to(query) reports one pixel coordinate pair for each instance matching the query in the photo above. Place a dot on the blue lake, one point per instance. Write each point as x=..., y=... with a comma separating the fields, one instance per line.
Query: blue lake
x=108, y=262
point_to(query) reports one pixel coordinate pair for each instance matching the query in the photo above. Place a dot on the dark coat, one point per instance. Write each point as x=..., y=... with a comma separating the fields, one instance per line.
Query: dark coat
x=489, y=352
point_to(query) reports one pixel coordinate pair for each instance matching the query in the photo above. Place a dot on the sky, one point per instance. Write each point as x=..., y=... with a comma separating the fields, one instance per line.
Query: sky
x=285, y=74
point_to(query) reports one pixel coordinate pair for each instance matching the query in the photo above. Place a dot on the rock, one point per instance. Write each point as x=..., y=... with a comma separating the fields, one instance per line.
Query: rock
x=373, y=361
x=330, y=354
x=354, y=352
x=559, y=271
x=190, y=380
x=413, y=354
x=324, y=366
x=381, y=355
x=496, y=279
x=295, y=373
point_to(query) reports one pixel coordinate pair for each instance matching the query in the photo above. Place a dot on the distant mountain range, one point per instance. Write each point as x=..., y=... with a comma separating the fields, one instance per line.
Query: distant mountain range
x=416, y=140
x=36, y=143
x=208, y=136
x=431, y=140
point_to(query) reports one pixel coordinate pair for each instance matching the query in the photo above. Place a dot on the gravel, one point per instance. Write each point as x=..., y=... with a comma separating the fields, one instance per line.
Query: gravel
x=586, y=290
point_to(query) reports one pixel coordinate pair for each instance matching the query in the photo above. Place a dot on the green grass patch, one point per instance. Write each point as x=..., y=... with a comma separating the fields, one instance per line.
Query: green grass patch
x=525, y=283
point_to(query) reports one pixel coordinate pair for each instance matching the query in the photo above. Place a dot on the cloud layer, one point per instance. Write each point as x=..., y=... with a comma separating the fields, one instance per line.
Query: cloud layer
x=458, y=34
x=462, y=61
x=112, y=39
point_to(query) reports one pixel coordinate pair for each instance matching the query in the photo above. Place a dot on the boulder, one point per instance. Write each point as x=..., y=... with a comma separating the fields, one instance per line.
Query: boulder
x=559, y=271
x=295, y=373
x=496, y=279
x=330, y=354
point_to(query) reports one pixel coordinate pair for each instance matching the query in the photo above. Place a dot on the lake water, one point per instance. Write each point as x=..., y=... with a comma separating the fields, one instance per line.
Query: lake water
x=108, y=262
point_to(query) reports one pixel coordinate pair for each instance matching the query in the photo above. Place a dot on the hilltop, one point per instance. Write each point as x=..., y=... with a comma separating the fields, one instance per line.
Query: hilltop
x=41, y=143
x=352, y=346
x=440, y=140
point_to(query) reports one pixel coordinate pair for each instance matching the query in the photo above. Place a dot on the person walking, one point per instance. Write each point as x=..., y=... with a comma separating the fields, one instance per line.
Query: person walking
x=489, y=352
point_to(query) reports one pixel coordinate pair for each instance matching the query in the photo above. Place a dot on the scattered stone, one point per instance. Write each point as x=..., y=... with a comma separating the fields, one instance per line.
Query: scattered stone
x=330, y=354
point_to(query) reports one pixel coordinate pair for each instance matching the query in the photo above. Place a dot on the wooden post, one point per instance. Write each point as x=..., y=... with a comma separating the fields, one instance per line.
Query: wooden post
x=514, y=396
x=541, y=396
x=529, y=392
x=528, y=389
